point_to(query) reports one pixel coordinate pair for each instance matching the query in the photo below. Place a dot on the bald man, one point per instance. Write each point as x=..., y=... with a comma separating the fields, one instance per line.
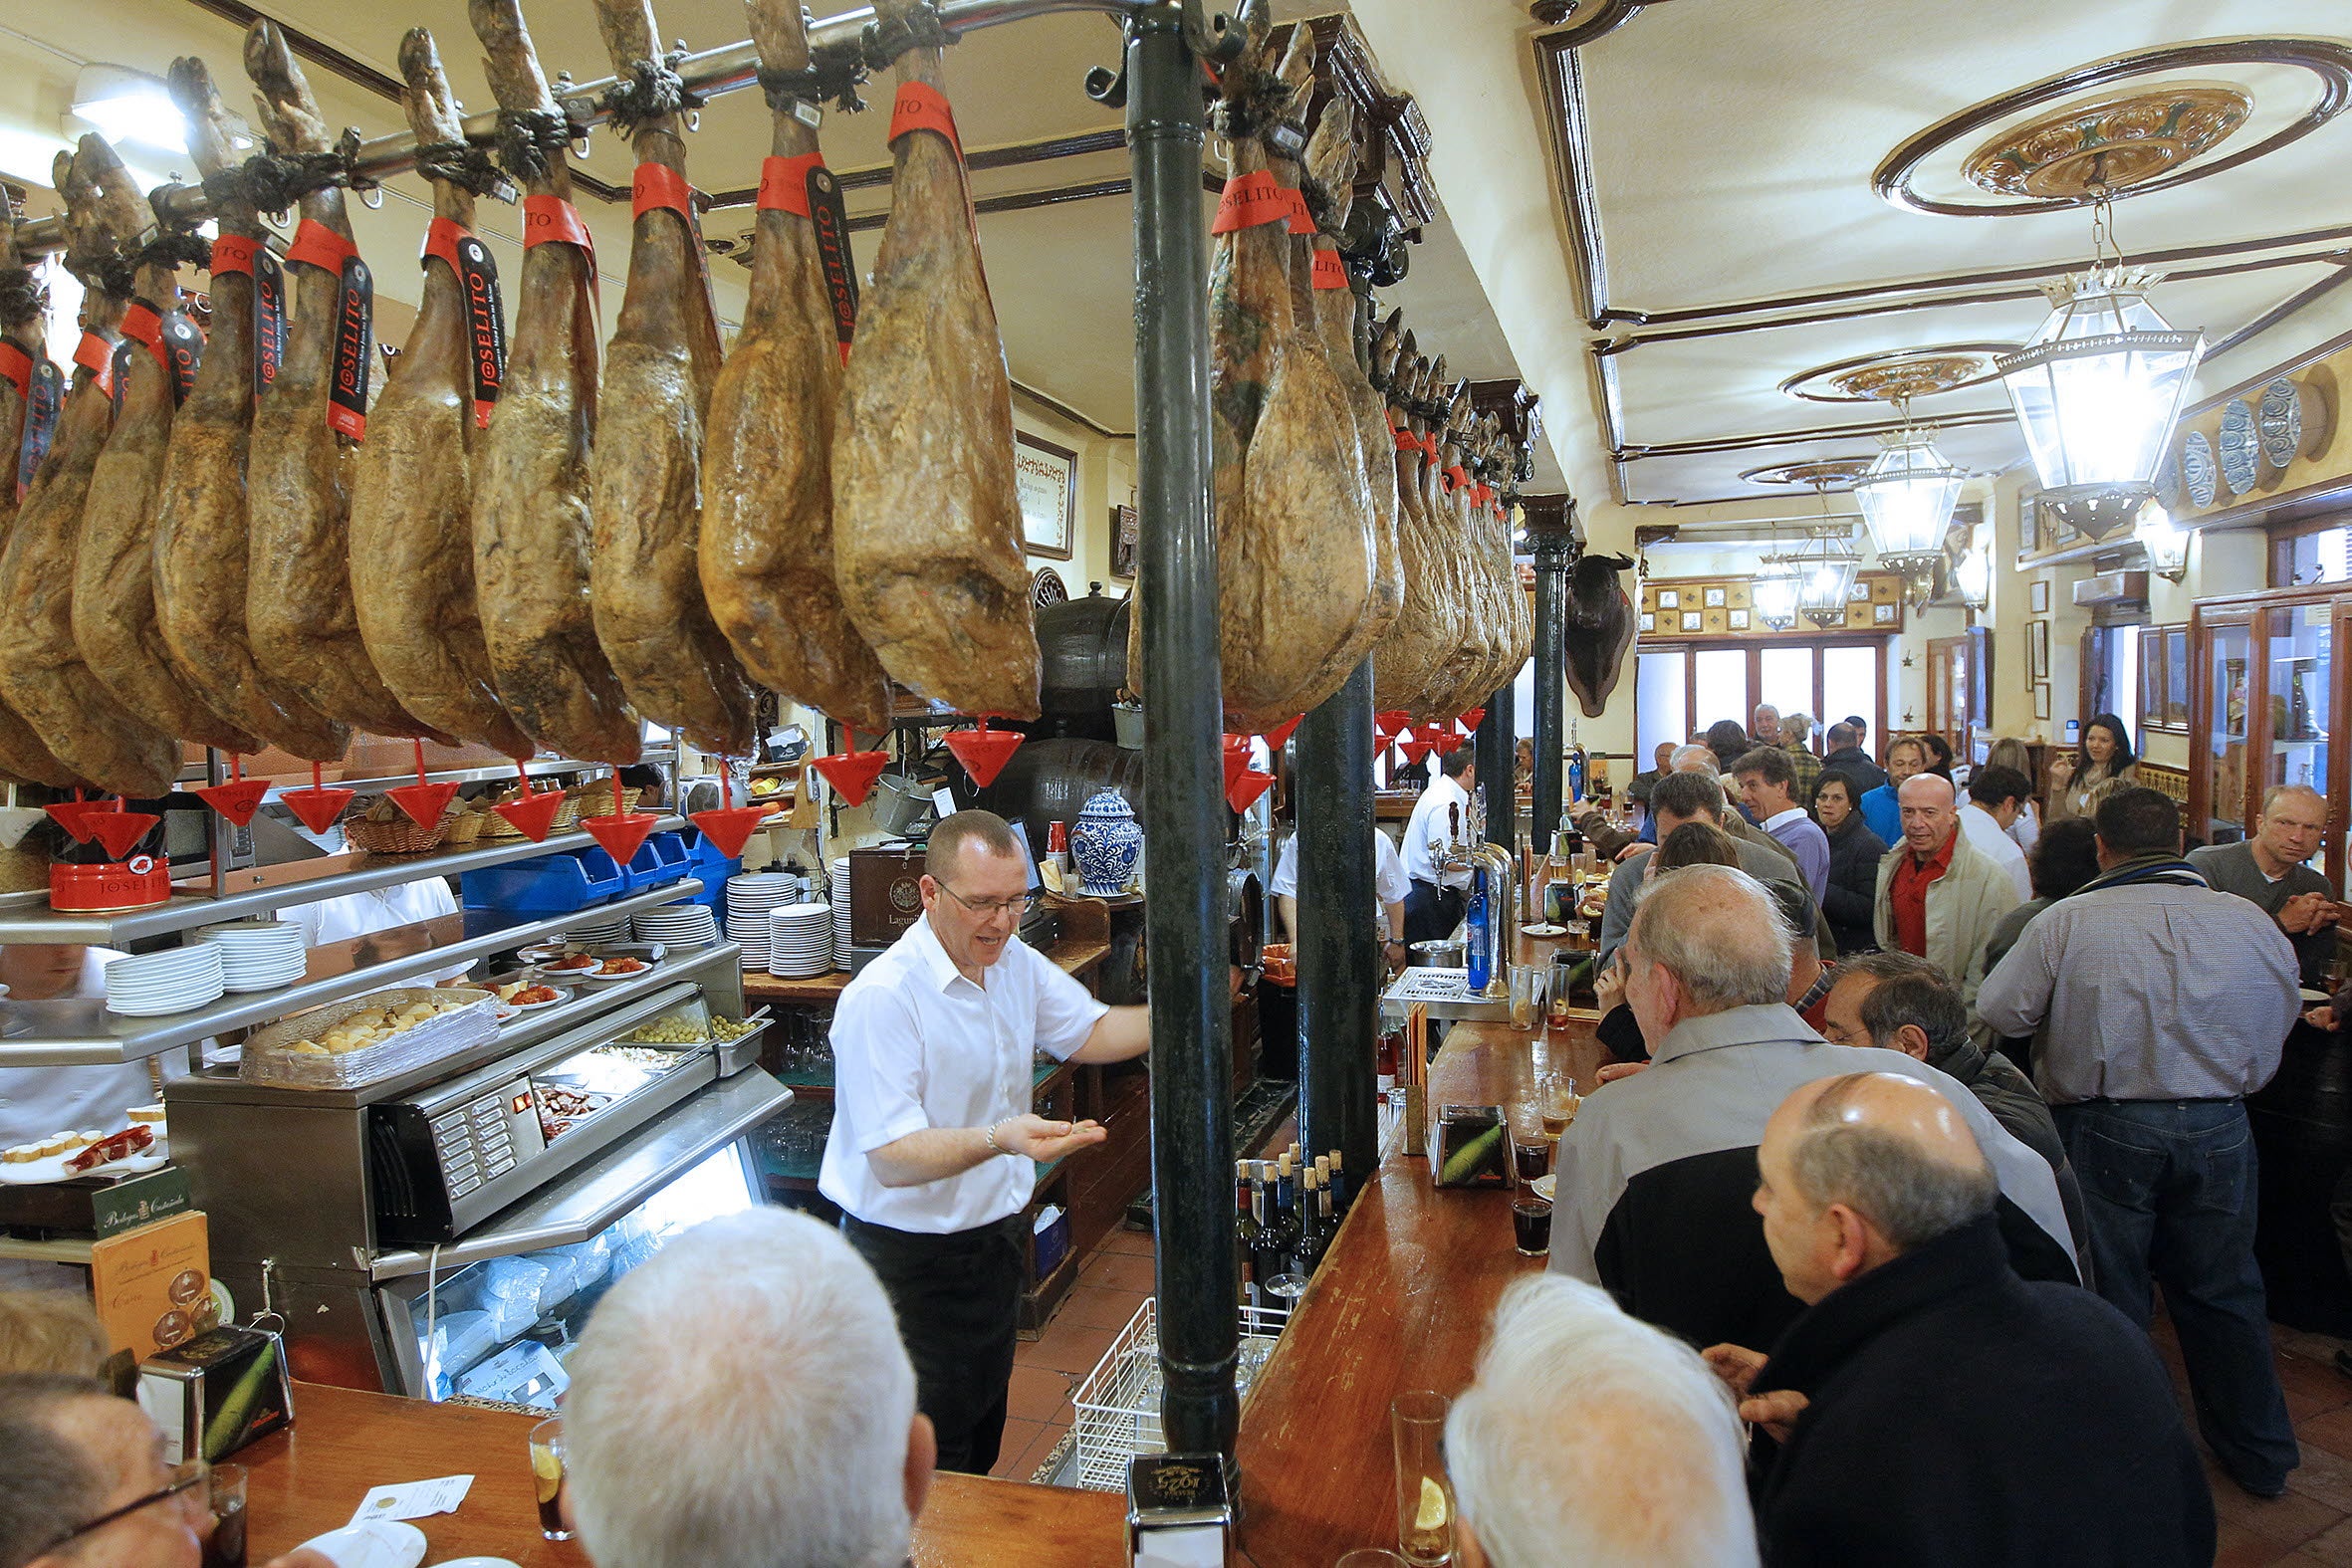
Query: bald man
x=1939, y=896
x=2270, y=869
x=1657, y=1170
x=1930, y=1407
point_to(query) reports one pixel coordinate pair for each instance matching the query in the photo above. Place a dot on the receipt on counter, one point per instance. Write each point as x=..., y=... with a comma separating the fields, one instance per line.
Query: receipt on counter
x=413, y=1500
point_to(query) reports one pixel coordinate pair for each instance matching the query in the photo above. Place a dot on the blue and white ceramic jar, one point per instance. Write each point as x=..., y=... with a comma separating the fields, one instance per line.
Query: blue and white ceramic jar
x=1106, y=841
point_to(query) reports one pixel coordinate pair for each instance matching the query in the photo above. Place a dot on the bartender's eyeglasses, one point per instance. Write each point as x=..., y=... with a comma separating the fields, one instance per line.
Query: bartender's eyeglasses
x=988, y=909
x=184, y=1478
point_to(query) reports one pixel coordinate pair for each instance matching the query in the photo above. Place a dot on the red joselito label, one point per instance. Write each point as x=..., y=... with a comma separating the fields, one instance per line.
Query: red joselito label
x=346, y=398
x=45, y=394
x=485, y=325
x=171, y=337
x=831, y=222
x=16, y=366
x=269, y=318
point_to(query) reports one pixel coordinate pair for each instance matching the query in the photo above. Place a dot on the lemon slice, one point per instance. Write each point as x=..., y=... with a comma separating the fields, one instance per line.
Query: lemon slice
x=1433, y=1507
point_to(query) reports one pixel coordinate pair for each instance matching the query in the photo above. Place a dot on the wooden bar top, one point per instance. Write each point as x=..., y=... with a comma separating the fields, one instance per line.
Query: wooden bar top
x=1401, y=1301
x=308, y=1479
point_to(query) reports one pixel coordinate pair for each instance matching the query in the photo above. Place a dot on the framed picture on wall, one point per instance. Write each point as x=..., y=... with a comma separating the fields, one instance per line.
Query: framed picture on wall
x=1649, y=620
x=1715, y=598
x=2176, y=678
x=2037, y=650
x=1692, y=620
x=2041, y=699
x=1126, y=536
x=1045, y=478
x=2152, y=680
x=2037, y=598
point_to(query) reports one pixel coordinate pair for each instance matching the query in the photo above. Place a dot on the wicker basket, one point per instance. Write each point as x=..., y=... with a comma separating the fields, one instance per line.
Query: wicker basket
x=464, y=826
x=496, y=827
x=595, y=800
x=399, y=837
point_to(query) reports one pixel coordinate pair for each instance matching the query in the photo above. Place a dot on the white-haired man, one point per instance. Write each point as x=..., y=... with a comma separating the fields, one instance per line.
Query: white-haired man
x=801, y=1450
x=1656, y=1172
x=1590, y=1436
x=2270, y=869
x=934, y=1150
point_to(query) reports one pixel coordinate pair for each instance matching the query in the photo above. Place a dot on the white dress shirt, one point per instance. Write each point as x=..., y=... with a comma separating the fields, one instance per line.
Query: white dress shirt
x=1988, y=839
x=1429, y=828
x=917, y=1046
x=1389, y=882
x=379, y=909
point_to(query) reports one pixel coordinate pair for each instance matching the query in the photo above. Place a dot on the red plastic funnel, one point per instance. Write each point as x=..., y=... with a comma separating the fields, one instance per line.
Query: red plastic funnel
x=622, y=836
x=74, y=816
x=1281, y=733
x=1449, y=743
x=533, y=815
x=1391, y=723
x=852, y=773
x=1237, y=758
x=1414, y=749
x=237, y=800
x=1430, y=732
x=317, y=806
x=425, y=803
x=1471, y=717
x=1244, y=791
x=119, y=831
x=984, y=751
x=729, y=828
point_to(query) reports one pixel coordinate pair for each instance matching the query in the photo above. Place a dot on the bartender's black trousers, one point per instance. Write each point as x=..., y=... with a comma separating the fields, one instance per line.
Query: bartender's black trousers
x=1432, y=912
x=955, y=1296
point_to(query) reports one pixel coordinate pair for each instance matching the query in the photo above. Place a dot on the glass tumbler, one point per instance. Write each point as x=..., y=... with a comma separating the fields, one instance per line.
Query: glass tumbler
x=547, y=1477
x=1424, y=1495
x=1526, y=995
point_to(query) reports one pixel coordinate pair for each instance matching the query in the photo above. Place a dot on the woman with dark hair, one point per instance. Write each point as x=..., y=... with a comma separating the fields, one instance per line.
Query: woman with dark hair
x=1939, y=753
x=1850, y=902
x=2062, y=862
x=1727, y=740
x=2102, y=764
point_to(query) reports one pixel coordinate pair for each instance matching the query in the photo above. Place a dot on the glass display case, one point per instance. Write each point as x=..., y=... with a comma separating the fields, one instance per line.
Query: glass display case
x=2265, y=690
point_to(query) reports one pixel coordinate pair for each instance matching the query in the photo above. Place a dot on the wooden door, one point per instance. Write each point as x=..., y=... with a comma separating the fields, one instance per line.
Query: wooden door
x=1947, y=690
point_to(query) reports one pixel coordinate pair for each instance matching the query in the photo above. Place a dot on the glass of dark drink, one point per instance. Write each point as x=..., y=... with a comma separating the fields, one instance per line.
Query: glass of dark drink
x=225, y=1547
x=1530, y=1224
x=547, y=1477
x=1531, y=1159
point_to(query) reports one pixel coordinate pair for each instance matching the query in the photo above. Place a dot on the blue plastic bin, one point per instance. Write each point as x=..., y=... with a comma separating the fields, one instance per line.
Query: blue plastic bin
x=704, y=860
x=549, y=885
x=663, y=858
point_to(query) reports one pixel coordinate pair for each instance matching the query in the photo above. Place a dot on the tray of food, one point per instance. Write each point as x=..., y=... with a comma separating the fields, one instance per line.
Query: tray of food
x=361, y=1041
x=527, y=992
x=63, y=1156
x=561, y=1107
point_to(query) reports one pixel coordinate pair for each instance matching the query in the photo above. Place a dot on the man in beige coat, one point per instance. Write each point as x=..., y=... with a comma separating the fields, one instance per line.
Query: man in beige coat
x=1939, y=896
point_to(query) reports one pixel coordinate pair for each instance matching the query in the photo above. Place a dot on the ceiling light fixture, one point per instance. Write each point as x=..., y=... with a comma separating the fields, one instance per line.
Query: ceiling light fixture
x=1776, y=590
x=1907, y=496
x=2099, y=387
x=1825, y=564
x=2166, y=542
x=1973, y=577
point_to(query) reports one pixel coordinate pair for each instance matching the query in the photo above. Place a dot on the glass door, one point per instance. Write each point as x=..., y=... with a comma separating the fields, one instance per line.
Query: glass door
x=2299, y=667
x=2231, y=679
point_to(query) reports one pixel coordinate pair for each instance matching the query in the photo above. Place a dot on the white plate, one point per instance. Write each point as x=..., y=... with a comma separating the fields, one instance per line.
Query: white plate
x=1545, y=1186
x=476, y=1562
x=506, y=1012
x=376, y=1543
x=40, y=1173
x=635, y=973
x=561, y=997
x=2309, y=994
x=1542, y=930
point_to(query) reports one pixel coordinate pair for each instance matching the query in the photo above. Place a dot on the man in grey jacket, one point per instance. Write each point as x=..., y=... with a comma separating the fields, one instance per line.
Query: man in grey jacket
x=1939, y=896
x=2166, y=1003
x=2269, y=870
x=1689, y=796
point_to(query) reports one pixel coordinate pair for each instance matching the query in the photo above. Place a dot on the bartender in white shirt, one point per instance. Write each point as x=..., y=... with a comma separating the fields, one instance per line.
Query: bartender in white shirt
x=1390, y=888
x=1437, y=901
x=379, y=909
x=934, y=1046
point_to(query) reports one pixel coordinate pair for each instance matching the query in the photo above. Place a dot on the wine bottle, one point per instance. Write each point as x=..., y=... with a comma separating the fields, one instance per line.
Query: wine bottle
x=1339, y=1192
x=1246, y=1229
x=1264, y=1264
x=1311, y=1238
x=1326, y=1210
x=1287, y=1233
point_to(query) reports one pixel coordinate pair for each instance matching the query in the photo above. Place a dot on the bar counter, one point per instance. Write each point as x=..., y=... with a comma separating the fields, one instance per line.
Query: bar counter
x=1402, y=1301
x=308, y=1479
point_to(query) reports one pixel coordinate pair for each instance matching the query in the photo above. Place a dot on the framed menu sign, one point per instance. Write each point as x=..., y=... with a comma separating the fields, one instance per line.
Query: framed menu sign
x=1046, y=477
x=1126, y=536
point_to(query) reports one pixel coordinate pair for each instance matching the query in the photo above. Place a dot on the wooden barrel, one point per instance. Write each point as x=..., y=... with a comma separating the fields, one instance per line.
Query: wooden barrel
x=2302, y=1126
x=1082, y=663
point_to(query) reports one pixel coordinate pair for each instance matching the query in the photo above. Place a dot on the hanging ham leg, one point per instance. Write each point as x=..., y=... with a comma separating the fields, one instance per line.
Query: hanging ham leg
x=201, y=545
x=23, y=759
x=531, y=515
x=1405, y=663
x=114, y=610
x=926, y=521
x=42, y=674
x=297, y=607
x=412, y=507
x=645, y=480
x=766, y=557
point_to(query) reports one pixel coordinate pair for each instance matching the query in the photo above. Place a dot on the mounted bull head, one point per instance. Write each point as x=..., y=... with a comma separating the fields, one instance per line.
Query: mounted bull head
x=1600, y=628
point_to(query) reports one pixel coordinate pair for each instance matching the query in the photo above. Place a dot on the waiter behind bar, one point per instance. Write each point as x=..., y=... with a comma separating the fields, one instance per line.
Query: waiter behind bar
x=933, y=1135
x=1435, y=905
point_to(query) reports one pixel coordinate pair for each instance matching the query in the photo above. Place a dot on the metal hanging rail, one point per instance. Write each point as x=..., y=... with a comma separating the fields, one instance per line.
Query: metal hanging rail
x=713, y=72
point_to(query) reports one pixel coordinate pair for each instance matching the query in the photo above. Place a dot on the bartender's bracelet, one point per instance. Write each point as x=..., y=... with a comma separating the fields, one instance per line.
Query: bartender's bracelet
x=990, y=1134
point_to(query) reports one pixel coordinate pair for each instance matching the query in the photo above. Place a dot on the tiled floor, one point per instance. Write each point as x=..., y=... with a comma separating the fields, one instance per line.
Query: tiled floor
x=1111, y=1284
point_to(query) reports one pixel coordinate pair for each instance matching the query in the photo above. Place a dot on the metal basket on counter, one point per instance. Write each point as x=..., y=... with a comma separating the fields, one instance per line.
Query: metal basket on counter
x=1117, y=1405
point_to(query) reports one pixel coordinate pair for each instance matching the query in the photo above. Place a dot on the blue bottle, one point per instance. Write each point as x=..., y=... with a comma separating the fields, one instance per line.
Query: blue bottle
x=1481, y=968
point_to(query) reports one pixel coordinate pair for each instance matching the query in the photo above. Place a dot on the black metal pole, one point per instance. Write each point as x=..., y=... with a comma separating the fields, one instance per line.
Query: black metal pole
x=1338, y=963
x=1184, y=920
x=1551, y=667
x=1496, y=764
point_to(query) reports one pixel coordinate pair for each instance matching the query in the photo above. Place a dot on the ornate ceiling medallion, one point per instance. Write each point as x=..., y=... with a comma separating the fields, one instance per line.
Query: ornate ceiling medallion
x=1823, y=474
x=2147, y=139
x=1899, y=375
x=2109, y=143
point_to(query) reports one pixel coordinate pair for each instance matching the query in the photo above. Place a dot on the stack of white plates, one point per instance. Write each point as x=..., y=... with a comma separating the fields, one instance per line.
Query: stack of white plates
x=841, y=870
x=800, y=941
x=257, y=955
x=680, y=925
x=599, y=931
x=749, y=897
x=150, y=985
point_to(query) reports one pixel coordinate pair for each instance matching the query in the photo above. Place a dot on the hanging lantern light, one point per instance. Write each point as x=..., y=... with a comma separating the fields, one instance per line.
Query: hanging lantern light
x=1907, y=496
x=1825, y=568
x=1973, y=577
x=2097, y=390
x=1775, y=593
x=2166, y=542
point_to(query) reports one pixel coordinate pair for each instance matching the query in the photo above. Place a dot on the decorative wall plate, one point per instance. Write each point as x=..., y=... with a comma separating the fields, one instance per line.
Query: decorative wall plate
x=2293, y=421
x=2169, y=490
x=2199, y=475
x=2241, y=457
